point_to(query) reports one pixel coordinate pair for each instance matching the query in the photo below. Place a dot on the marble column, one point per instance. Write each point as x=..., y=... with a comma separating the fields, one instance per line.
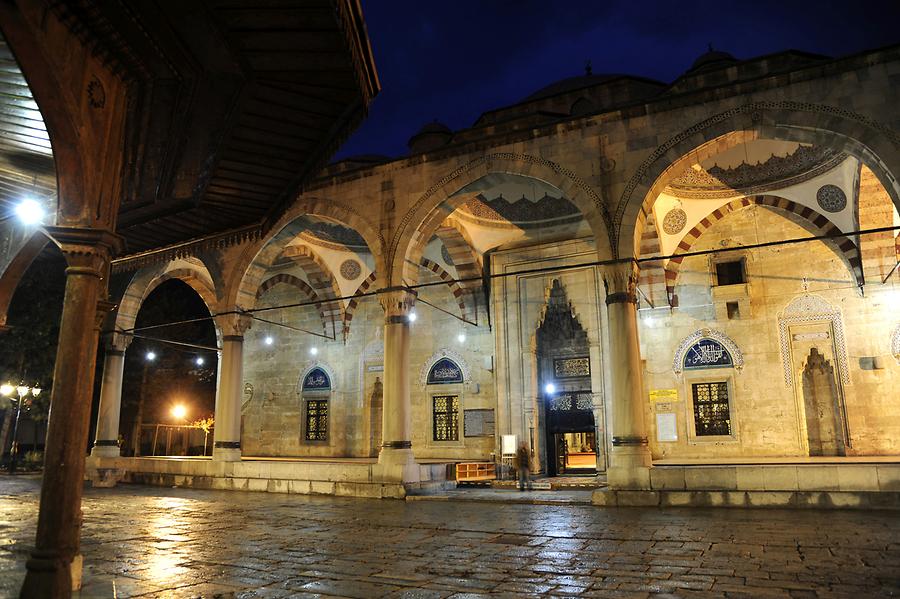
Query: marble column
x=629, y=460
x=396, y=444
x=54, y=567
x=106, y=440
x=229, y=388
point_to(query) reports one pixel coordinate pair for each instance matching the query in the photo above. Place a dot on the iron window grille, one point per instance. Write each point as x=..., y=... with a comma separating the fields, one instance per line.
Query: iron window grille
x=317, y=420
x=712, y=414
x=446, y=418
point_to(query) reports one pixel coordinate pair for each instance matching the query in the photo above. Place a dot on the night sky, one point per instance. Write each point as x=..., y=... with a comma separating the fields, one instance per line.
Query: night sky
x=451, y=61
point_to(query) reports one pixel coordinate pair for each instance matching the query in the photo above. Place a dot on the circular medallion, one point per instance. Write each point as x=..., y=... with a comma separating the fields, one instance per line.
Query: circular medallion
x=350, y=270
x=445, y=254
x=674, y=221
x=831, y=198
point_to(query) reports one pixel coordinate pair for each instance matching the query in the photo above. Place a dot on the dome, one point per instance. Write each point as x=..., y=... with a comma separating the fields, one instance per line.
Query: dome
x=570, y=84
x=430, y=137
x=712, y=59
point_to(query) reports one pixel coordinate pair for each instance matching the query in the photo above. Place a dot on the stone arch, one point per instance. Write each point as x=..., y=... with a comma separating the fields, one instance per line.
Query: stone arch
x=455, y=288
x=322, y=282
x=873, y=143
x=15, y=270
x=301, y=285
x=462, y=253
x=191, y=271
x=842, y=245
x=427, y=213
x=250, y=269
x=354, y=301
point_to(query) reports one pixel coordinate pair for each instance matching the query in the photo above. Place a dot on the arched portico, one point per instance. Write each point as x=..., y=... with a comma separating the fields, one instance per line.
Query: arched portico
x=426, y=215
x=872, y=142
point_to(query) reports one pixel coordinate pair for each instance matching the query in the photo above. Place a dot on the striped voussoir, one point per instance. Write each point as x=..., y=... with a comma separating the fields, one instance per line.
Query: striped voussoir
x=303, y=286
x=354, y=301
x=458, y=292
x=845, y=246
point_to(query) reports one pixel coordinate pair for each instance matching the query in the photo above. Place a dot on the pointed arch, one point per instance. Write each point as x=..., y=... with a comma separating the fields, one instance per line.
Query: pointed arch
x=254, y=262
x=191, y=271
x=462, y=253
x=873, y=143
x=299, y=284
x=322, y=282
x=425, y=216
x=455, y=288
x=354, y=301
x=842, y=245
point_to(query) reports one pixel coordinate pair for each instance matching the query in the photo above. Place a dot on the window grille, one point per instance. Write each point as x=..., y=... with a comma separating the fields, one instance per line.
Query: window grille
x=446, y=417
x=712, y=415
x=317, y=420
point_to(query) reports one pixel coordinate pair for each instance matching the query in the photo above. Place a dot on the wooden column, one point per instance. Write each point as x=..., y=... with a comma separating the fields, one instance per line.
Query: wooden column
x=55, y=564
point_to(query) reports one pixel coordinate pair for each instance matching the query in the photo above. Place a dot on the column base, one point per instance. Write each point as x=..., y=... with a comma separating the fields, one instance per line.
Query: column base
x=398, y=464
x=49, y=575
x=226, y=454
x=629, y=467
x=106, y=450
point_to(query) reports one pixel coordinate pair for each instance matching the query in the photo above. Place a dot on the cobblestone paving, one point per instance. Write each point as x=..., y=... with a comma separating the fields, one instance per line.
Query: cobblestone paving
x=154, y=542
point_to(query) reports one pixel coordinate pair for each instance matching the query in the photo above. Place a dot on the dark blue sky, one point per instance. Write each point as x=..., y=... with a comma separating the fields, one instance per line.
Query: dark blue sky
x=452, y=60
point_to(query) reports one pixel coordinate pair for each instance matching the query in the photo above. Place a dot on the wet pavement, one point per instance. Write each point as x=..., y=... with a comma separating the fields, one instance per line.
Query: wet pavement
x=159, y=542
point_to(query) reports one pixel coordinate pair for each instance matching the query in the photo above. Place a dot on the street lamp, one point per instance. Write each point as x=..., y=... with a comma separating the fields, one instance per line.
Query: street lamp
x=21, y=392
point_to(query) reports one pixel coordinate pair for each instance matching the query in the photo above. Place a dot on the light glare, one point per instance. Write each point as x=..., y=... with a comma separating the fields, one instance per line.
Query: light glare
x=550, y=388
x=268, y=340
x=30, y=212
x=151, y=356
x=179, y=412
x=314, y=350
x=461, y=337
x=412, y=317
x=6, y=389
x=199, y=361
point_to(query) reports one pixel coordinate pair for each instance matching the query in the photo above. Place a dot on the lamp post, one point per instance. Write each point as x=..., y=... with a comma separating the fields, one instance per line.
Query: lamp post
x=21, y=392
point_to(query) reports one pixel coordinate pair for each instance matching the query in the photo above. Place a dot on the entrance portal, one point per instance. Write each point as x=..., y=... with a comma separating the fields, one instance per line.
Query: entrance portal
x=570, y=439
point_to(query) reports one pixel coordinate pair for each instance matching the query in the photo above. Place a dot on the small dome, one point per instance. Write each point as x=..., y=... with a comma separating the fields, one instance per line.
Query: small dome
x=430, y=137
x=569, y=84
x=712, y=59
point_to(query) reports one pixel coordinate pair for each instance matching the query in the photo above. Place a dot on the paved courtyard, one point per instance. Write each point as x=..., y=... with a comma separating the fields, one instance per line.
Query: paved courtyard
x=155, y=542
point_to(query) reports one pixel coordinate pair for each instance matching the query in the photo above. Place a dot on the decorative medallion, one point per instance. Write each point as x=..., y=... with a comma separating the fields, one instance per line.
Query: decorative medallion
x=674, y=221
x=831, y=198
x=96, y=93
x=445, y=254
x=350, y=269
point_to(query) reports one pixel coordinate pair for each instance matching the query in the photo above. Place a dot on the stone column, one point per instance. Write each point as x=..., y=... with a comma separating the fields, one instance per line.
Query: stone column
x=106, y=440
x=396, y=447
x=229, y=388
x=54, y=568
x=629, y=464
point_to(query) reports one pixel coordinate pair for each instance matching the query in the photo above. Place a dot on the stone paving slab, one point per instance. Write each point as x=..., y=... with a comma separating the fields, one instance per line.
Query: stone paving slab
x=158, y=542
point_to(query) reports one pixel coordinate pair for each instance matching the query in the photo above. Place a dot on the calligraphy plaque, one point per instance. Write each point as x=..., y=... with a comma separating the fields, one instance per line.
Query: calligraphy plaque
x=567, y=368
x=443, y=372
x=478, y=423
x=317, y=379
x=707, y=353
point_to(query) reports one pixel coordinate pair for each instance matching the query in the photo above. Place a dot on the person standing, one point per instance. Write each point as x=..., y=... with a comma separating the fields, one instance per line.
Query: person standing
x=523, y=466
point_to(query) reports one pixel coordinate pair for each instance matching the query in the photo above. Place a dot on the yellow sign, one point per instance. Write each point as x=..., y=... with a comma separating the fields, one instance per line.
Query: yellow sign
x=664, y=395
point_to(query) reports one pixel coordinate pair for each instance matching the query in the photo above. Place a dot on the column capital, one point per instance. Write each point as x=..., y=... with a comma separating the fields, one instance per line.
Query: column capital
x=118, y=342
x=87, y=251
x=621, y=280
x=397, y=303
x=233, y=324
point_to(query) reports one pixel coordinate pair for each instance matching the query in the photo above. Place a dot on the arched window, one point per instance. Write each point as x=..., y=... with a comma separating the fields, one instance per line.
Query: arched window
x=316, y=391
x=445, y=407
x=445, y=371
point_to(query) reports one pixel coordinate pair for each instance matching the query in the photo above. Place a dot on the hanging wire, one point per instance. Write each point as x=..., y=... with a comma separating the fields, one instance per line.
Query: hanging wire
x=547, y=269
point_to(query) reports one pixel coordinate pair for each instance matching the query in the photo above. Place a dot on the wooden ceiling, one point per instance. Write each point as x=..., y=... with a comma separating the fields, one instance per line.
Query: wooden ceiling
x=234, y=103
